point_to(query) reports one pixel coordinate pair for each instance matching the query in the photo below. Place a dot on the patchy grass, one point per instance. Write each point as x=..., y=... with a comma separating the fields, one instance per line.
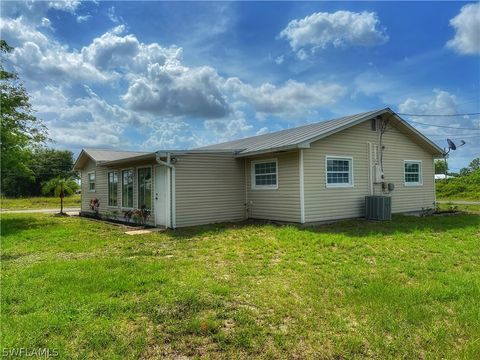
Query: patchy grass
x=39, y=203
x=473, y=208
x=407, y=288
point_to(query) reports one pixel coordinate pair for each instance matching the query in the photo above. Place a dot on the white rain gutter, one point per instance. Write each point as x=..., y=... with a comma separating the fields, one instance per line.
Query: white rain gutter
x=173, y=214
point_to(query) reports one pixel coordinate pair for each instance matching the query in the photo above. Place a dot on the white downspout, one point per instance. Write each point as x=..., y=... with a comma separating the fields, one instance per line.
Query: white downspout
x=247, y=209
x=370, y=168
x=81, y=191
x=435, y=186
x=173, y=198
x=302, y=189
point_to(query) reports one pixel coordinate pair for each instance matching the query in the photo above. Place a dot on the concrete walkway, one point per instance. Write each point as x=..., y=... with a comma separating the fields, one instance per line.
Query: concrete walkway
x=28, y=211
x=458, y=202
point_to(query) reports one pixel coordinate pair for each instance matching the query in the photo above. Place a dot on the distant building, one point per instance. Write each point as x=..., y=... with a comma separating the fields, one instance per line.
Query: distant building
x=442, y=176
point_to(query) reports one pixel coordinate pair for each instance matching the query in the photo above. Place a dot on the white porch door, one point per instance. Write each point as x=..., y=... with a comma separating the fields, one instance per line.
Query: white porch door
x=162, y=196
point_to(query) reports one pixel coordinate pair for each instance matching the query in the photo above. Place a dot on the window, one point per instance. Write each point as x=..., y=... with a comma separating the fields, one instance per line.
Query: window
x=265, y=174
x=145, y=187
x=339, y=171
x=91, y=181
x=112, y=188
x=127, y=188
x=413, y=172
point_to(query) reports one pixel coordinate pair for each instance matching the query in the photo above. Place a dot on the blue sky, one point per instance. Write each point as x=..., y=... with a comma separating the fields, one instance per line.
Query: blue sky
x=161, y=75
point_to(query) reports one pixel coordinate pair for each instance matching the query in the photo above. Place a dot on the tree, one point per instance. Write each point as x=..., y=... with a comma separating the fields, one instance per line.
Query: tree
x=465, y=171
x=50, y=163
x=60, y=187
x=440, y=166
x=20, y=130
x=474, y=164
x=472, y=167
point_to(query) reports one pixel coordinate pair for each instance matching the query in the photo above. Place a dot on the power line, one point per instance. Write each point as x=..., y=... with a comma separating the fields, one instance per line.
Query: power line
x=440, y=137
x=440, y=115
x=444, y=126
x=452, y=135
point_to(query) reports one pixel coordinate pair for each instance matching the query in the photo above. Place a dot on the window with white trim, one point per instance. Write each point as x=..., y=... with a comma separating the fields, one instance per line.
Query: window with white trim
x=112, y=188
x=91, y=181
x=339, y=171
x=127, y=188
x=145, y=187
x=413, y=172
x=265, y=174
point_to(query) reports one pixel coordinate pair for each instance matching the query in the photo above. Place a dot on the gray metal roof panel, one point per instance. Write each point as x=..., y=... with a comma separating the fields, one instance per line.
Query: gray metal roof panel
x=289, y=137
x=101, y=155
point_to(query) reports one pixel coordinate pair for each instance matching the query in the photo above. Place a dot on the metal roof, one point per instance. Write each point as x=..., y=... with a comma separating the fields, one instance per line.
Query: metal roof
x=105, y=155
x=299, y=137
x=101, y=155
x=302, y=136
x=288, y=137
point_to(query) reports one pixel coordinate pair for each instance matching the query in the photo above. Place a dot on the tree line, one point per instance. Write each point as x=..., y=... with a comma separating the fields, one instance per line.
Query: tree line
x=441, y=167
x=28, y=167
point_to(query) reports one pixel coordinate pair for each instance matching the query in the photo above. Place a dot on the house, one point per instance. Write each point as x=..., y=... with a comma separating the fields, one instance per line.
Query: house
x=312, y=173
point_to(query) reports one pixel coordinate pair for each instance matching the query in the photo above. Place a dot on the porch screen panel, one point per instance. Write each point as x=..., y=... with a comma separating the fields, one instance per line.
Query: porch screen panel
x=145, y=187
x=127, y=188
x=112, y=188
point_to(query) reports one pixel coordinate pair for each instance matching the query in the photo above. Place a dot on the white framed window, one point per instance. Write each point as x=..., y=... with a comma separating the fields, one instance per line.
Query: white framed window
x=412, y=170
x=144, y=183
x=91, y=181
x=265, y=174
x=338, y=171
x=113, y=188
x=127, y=188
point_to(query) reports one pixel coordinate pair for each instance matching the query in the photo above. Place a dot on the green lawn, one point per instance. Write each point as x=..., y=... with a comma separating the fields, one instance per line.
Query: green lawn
x=408, y=288
x=39, y=203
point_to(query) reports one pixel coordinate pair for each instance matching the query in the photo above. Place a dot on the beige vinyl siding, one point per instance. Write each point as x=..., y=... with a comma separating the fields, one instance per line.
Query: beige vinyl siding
x=209, y=188
x=101, y=189
x=282, y=204
x=399, y=148
x=322, y=203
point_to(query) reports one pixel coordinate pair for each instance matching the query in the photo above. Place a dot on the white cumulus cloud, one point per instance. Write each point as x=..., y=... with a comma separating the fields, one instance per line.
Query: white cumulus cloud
x=291, y=98
x=456, y=128
x=149, y=87
x=175, y=90
x=341, y=28
x=467, y=30
x=83, y=18
x=84, y=121
x=228, y=129
x=442, y=103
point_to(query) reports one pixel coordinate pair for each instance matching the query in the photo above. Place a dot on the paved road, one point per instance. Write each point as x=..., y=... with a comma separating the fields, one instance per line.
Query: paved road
x=458, y=202
x=27, y=211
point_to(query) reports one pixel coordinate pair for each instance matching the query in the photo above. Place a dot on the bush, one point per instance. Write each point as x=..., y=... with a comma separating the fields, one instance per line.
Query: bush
x=462, y=187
